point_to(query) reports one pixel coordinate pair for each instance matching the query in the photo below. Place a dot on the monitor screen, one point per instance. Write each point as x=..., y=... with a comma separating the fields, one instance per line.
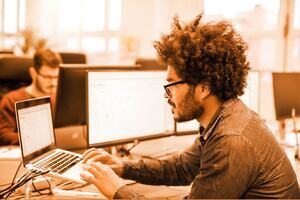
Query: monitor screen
x=125, y=106
x=70, y=106
x=286, y=94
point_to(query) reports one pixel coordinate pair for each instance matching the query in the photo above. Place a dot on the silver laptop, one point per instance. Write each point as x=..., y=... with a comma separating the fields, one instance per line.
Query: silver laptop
x=38, y=144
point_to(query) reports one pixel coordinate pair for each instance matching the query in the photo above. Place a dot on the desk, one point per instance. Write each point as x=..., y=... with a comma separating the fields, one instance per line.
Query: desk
x=146, y=148
x=167, y=145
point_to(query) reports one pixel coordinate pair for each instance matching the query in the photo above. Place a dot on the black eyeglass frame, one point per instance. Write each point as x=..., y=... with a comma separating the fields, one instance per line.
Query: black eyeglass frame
x=172, y=84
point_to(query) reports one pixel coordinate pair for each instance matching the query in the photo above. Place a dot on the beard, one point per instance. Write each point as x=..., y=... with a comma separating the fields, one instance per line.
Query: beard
x=188, y=109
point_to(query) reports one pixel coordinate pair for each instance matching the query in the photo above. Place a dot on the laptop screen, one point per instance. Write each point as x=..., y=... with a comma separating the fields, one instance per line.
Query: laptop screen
x=35, y=126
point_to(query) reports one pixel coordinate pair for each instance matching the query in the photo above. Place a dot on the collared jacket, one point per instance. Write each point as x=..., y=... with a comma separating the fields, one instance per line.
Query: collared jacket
x=236, y=156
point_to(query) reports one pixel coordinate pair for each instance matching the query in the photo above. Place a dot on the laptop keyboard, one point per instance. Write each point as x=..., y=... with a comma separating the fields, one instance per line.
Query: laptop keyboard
x=58, y=162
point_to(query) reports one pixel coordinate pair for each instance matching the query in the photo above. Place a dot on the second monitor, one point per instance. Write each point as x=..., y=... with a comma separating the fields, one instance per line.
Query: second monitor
x=70, y=112
x=71, y=93
x=124, y=106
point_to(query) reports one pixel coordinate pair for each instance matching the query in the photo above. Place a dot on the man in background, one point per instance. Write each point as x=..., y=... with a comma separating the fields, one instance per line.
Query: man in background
x=235, y=154
x=44, y=76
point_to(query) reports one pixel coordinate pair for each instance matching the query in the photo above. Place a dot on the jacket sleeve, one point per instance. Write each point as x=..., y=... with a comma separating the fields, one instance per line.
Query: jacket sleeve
x=127, y=193
x=179, y=169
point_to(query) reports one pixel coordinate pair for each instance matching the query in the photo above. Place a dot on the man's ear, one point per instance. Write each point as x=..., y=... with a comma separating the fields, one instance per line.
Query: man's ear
x=33, y=73
x=202, y=91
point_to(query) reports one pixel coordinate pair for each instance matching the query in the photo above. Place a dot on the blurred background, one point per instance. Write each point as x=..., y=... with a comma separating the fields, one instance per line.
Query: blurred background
x=120, y=31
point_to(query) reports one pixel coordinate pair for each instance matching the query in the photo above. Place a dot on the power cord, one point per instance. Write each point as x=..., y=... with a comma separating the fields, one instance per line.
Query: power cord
x=36, y=190
x=126, y=151
x=13, y=180
x=27, y=176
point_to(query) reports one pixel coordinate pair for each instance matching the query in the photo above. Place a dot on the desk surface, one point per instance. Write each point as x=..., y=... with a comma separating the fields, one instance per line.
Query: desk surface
x=9, y=166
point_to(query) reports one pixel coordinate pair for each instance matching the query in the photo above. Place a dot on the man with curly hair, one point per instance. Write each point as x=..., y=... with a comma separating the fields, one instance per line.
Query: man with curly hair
x=235, y=155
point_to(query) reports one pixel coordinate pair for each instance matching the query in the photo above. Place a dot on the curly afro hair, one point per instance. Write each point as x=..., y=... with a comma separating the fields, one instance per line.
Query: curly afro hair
x=209, y=53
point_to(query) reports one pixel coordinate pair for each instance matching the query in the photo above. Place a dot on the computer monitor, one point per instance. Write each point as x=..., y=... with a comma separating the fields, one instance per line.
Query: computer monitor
x=71, y=95
x=286, y=94
x=124, y=106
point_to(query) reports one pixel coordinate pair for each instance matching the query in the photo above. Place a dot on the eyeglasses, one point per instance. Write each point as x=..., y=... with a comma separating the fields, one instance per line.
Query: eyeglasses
x=167, y=87
x=47, y=76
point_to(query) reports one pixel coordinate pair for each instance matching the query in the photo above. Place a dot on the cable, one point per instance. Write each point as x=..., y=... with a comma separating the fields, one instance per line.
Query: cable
x=27, y=176
x=35, y=190
x=15, y=175
x=12, y=182
x=125, y=152
x=31, y=176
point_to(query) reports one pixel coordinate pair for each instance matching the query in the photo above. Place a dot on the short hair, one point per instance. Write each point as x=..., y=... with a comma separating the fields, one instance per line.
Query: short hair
x=46, y=57
x=209, y=53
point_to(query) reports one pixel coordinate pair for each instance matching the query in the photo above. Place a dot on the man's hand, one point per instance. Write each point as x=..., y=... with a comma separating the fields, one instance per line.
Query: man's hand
x=103, y=177
x=99, y=155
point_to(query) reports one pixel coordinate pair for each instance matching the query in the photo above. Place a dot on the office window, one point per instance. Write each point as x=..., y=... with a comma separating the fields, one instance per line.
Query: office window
x=113, y=45
x=258, y=21
x=93, y=15
x=73, y=44
x=69, y=20
x=293, y=59
x=12, y=21
x=10, y=16
x=95, y=24
x=22, y=14
x=297, y=14
x=263, y=51
x=246, y=14
x=115, y=11
x=93, y=44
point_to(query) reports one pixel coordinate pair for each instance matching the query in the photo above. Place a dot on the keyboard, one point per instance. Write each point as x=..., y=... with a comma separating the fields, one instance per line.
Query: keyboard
x=58, y=162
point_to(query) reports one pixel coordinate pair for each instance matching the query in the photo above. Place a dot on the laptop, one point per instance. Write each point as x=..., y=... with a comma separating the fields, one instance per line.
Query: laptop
x=38, y=143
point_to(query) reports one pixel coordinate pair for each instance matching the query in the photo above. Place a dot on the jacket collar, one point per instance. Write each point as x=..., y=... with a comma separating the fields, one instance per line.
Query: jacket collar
x=206, y=132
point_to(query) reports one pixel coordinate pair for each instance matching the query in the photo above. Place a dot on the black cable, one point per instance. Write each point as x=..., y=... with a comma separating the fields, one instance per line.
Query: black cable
x=12, y=182
x=36, y=190
x=125, y=152
x=17, y=185
x=21, y=181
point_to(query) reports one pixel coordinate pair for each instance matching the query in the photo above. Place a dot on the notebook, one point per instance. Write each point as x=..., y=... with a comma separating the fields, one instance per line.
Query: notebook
x=38, y=144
